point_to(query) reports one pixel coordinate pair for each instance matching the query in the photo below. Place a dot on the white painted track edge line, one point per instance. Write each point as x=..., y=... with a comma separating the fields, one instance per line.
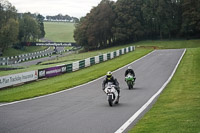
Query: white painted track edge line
x=5, y=104
x=134, y=116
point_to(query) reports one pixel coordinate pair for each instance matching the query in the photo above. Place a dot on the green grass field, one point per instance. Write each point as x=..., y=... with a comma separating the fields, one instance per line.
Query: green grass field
x=59, y=31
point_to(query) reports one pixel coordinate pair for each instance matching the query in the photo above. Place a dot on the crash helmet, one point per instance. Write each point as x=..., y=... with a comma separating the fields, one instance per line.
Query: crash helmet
x=108, y=75
x=129, y=67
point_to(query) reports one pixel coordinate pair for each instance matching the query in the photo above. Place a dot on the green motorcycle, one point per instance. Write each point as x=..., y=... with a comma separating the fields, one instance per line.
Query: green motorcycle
x=130, y=80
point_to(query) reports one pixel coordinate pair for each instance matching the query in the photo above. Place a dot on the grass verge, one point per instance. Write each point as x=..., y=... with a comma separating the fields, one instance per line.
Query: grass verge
x=171, y=44
x=177, y=109
x=68, y=80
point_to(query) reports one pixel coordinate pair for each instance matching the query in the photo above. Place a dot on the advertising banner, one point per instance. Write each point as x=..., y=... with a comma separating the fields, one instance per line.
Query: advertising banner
x=53, y=44
x=14, y=79
x=62, y=44
x=41, y=73
x=64, y=68
x=52, y=71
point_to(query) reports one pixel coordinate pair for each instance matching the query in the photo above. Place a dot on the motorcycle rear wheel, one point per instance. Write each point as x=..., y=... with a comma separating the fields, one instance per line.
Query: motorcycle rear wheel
x=130, y=85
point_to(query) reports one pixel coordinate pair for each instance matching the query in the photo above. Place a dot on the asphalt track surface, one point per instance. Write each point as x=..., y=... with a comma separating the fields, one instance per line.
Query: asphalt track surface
x=84, y=109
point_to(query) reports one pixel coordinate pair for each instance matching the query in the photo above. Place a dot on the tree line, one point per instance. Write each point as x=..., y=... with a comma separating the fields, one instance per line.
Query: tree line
x=124, y=21
x=17, y=27
x=61, y=17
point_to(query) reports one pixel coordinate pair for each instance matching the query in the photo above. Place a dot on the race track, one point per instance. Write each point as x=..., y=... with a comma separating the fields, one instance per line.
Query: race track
x=84, y=109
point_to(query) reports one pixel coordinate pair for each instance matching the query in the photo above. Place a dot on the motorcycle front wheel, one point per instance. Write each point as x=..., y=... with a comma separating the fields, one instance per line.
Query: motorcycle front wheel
x=110, y=100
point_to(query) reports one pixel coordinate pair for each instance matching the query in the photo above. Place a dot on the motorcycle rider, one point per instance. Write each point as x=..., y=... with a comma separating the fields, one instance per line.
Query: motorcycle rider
x=130, y=70
x=110, y=78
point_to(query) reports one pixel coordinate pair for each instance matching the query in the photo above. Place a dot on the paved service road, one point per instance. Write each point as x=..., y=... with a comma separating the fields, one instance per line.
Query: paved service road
x=84, y=109
x=36, y=61
x=11, y=62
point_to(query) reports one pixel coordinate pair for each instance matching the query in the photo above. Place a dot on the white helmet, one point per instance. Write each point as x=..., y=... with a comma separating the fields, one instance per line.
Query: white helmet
x=129, y=67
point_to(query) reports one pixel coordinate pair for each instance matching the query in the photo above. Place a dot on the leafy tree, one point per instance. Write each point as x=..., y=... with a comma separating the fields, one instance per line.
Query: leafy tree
x=40, y=20
x=8, y=25
x=190, y=17
x=9, y=34
x=133, y=20
x=101, y=20
x=95, y=30
x=76, y=20
x=176, y=19
x=60, y=17
x=128, y=24
x=29, y=29
x=148, y=11
x=80, y=32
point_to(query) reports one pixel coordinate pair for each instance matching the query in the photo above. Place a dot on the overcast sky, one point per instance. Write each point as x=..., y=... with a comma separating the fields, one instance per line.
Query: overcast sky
x=75, y=8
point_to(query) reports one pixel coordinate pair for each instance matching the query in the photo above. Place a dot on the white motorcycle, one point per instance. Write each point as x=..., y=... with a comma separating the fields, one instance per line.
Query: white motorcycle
x=112, y=94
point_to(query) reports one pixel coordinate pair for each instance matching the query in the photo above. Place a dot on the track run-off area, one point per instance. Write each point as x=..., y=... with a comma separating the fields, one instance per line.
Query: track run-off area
x=84, y=109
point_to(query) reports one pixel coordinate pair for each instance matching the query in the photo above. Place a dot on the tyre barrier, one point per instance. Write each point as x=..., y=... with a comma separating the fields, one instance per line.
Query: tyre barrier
x=23, y=57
